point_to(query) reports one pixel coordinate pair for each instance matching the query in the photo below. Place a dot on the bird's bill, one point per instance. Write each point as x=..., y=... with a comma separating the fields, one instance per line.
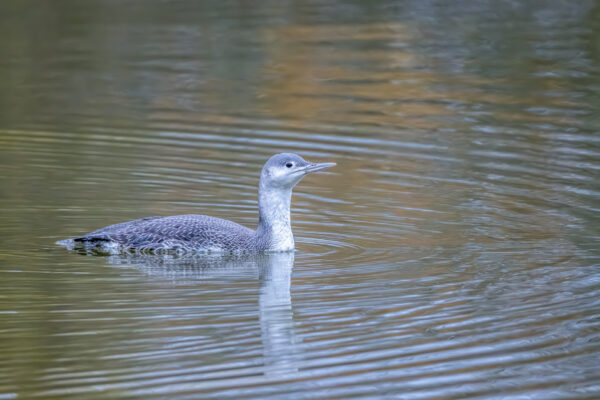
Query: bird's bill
x=314, y=167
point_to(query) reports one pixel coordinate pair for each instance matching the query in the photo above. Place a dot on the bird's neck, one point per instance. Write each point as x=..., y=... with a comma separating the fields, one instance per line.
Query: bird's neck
x=274, y=230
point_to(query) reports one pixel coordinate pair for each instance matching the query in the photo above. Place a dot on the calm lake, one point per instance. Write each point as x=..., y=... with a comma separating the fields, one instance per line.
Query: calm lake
x=452, y=253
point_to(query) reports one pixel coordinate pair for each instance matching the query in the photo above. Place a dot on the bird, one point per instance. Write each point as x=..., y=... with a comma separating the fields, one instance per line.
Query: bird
x=206, y=234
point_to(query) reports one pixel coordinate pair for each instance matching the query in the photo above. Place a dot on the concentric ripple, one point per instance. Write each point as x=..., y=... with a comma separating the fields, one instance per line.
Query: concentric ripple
x=451, y=254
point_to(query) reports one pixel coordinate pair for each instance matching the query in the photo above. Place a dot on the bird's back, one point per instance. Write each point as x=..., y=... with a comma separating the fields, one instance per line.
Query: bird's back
x=190, y=232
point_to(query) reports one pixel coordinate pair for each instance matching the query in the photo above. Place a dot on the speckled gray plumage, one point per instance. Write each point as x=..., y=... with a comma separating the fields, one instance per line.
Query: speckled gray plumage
x=201, y=233
x=178, y=232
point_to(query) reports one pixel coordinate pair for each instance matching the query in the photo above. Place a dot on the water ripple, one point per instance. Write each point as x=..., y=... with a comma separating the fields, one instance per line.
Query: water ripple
x=452, y=253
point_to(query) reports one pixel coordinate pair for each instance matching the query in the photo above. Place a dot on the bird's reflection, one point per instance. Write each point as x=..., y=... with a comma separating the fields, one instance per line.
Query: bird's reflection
x=276, y=317
x=275, y=304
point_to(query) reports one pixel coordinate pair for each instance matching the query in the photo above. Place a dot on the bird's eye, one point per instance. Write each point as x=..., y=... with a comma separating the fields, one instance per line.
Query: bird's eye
x=289, y=165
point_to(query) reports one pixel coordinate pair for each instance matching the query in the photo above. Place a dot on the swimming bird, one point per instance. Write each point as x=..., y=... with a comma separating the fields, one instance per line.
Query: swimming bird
x=201, y=233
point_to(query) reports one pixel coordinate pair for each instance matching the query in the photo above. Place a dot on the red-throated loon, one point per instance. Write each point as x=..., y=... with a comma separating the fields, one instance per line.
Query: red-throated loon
x=209, y=234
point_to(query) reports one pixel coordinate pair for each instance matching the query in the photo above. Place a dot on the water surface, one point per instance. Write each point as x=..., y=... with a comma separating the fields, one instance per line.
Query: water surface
x=452, y=253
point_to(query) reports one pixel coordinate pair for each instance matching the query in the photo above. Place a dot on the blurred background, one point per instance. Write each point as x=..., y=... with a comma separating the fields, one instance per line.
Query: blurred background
x=452, y=253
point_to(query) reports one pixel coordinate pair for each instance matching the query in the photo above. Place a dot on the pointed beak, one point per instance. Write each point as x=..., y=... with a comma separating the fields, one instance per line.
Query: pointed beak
x=314, y=167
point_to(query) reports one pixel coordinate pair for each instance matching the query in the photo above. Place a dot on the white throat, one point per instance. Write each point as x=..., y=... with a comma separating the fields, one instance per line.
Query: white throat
x=274, y=230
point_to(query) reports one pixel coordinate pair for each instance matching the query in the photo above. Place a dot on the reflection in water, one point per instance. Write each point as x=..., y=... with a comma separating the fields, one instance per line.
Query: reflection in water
x=274, y=301
x=276, y=317
x=454, y=253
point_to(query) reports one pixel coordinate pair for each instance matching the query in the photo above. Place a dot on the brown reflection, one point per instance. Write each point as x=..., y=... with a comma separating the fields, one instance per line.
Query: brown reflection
x=367, y=76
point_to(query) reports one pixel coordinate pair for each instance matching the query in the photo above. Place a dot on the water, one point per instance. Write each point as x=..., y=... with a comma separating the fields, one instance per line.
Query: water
x=452, y=253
